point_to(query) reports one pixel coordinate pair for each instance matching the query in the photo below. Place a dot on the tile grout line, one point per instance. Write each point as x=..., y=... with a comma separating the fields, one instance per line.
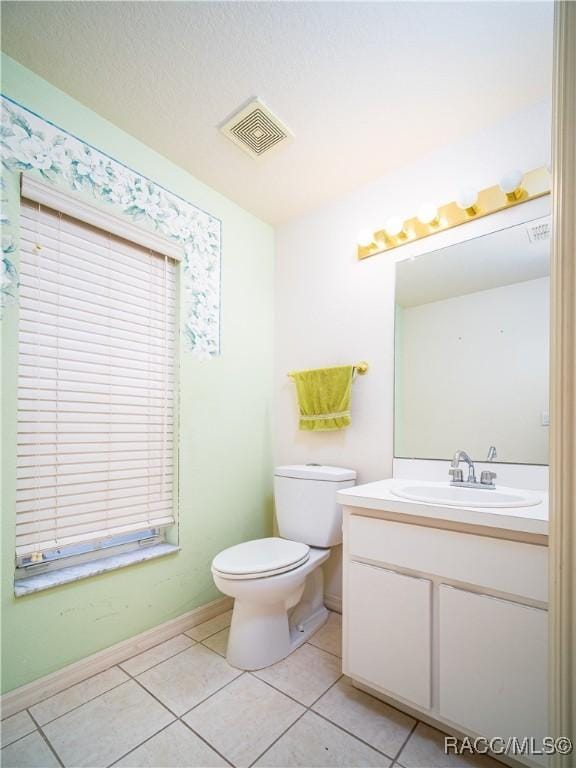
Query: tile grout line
x=166, y=707
x=77, y=706
x=341, y=728
x=179, y=716
x=177, y=653
x=9, y=744
x=248, y=672
x=406, y=740
x=46, y=739
x=212, y=649
x=308, y=709
x=133, y=675
x=319, y=647
x=177, y=719
x=354, y=735
x=205, y=740
x=289, y=696
x=143, y=742
x=284, y=732
x=213, y=633
x=68, y=687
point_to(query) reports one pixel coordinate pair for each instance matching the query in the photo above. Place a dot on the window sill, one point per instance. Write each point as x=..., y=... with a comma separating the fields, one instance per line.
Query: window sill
x=55, y=578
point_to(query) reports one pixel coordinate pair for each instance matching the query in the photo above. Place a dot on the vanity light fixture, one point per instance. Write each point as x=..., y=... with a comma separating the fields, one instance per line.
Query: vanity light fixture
x=365, y=238
x=471, y=204
x=467, y=200
x=394, y=227
x=428, y=214
x=511, y=185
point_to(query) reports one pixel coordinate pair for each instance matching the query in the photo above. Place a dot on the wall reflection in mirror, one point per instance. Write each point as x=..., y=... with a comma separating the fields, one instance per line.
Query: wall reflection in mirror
x=472, y=348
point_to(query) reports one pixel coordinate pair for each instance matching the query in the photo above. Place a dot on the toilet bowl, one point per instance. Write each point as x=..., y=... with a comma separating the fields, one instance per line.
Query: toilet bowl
x=277, y=583
x=262, y=632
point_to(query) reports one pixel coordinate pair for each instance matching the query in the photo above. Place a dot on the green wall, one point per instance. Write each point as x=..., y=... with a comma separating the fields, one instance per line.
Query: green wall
x=225, y=446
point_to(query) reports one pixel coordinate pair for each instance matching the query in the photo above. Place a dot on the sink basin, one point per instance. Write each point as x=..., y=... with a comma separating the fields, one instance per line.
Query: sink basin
x=449, y=496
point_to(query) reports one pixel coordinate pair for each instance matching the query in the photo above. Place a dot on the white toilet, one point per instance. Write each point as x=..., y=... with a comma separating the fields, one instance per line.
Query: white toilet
x=277, y=583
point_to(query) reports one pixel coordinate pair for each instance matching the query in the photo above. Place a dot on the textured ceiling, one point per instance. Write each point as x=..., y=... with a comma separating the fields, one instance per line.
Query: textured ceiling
x=365, y=87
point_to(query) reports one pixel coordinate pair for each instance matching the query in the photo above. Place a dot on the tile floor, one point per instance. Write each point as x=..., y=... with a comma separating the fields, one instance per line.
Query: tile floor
x=180, y=705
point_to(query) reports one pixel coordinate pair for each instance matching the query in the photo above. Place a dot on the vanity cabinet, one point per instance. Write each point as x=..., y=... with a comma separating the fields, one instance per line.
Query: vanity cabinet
x=391, y=612
x=452, y=624
x=496, y=650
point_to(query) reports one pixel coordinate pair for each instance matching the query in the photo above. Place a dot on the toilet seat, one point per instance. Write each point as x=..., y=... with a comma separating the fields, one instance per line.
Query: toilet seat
x=260, y=558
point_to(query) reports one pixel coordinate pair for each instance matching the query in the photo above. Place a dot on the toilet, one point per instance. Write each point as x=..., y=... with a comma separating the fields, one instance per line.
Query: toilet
x=277, y=583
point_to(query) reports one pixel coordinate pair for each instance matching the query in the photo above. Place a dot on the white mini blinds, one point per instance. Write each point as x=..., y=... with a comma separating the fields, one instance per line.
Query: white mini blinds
x=95, y=384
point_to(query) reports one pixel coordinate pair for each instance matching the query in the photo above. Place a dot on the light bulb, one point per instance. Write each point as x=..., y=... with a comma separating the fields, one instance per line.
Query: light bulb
x=427, y=214
x=365, y=238
x=394, y=226
x=467, y=200
x=511, y=184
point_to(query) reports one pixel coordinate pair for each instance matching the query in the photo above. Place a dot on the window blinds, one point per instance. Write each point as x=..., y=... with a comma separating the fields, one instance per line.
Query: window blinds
x=96, y=363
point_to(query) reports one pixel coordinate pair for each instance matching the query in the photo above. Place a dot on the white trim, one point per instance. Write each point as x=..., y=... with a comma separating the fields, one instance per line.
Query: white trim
x=333, y=603
x=563, y=386
x=27, y=695
x=72, y=204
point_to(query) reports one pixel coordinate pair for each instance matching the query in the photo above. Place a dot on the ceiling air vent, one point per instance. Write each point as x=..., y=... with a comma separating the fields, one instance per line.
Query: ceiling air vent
x=256, y=130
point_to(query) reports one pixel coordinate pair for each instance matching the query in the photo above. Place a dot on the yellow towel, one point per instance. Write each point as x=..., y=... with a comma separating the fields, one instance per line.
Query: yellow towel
x=324, y=397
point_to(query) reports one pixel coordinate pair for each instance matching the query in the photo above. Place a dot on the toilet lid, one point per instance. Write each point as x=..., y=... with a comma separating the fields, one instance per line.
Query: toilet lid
x=261, y=557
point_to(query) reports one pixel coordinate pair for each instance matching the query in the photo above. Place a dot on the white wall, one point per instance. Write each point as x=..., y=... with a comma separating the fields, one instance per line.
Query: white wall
x=332, y=309
x=474, y=373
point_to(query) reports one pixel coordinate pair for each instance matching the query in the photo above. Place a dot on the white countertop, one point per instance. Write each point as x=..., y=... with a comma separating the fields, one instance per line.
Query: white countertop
x=379, y=496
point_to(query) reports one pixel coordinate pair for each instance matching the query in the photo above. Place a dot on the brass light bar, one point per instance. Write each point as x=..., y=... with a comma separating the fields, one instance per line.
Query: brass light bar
x=534, y=184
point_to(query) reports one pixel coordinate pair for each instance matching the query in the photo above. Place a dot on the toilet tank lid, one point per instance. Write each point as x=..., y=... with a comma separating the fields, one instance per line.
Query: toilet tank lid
x=316, y=472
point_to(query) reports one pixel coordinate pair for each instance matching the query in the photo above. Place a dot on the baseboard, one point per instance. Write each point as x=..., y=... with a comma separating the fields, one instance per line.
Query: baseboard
x=333, y=603
x=44, y=687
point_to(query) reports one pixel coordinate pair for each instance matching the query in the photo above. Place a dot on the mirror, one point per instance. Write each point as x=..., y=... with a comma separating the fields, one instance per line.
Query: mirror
x=472, y=348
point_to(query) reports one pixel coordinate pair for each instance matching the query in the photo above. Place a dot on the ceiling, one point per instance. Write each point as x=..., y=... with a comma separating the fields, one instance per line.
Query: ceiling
x=505, y=257
x=365, y=87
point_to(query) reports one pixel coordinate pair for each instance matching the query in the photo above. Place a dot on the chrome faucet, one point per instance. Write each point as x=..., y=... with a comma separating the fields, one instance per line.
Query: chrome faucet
x=486, y=478
x=457, y=476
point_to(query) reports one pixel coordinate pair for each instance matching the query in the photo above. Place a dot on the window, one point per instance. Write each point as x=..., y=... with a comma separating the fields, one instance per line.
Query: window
x=97, y=340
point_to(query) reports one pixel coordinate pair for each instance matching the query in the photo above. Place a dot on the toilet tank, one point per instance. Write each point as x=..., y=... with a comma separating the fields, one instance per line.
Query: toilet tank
x=306, y=507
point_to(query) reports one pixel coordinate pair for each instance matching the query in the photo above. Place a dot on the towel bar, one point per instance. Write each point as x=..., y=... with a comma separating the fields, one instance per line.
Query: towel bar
x=360, y=368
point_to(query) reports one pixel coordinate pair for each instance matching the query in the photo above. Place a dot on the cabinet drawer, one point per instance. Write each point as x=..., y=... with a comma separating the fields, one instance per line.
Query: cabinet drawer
x=493, y=665
x=505, y=566
x=388, y=625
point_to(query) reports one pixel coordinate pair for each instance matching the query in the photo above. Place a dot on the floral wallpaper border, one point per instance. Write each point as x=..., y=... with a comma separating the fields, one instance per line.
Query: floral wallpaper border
x=30, y=143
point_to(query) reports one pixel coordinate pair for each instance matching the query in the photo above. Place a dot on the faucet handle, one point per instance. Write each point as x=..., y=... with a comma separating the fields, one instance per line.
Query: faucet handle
x=457, y=475
x=487, y=477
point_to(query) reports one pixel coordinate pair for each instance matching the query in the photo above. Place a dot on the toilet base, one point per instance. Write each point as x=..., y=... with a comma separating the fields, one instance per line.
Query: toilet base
x=263, y=634
x=301, y=633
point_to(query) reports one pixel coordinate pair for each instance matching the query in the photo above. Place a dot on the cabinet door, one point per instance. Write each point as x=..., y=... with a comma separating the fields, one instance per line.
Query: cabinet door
x=493, y=664
x=388, y=631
